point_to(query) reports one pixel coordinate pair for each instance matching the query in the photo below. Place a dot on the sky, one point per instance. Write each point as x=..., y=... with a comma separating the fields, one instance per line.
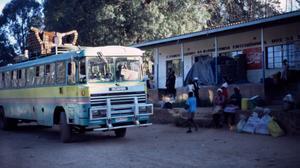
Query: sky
x=282, y=5
x=2, y=4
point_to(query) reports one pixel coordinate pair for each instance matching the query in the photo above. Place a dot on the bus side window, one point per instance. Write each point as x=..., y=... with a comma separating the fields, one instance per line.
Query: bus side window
x=50, y=74
x=61, y=73
x=71, y=72
x=30, y=80
x=7, y=79
x=1, y=80
x=82, y=71
x=21, y=77
x=47, y=74
x=14, y=79
x=39, y=75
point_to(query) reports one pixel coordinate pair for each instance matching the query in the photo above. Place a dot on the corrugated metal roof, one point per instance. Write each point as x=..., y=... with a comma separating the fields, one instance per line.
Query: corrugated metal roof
x=219, y=29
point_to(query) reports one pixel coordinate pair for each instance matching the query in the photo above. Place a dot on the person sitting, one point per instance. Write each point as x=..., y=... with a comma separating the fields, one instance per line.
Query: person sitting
x=218, y=102
x=236, y=98
x=225, y=91
x=234, y=104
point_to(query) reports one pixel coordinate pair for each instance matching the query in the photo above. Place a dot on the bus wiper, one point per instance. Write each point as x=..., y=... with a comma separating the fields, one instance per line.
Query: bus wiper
x=101, y=56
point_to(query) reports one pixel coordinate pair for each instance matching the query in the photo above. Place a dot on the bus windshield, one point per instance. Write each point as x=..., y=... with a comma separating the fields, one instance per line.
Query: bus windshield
x=113, y=69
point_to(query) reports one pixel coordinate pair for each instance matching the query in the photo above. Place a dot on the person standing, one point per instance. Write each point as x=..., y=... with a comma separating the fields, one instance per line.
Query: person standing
x=192, y=106
x=285, y=69
x=196, y=90
x=170, y=83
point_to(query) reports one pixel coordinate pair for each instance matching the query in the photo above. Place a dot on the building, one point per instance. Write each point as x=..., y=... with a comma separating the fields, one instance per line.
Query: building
x=264, y=43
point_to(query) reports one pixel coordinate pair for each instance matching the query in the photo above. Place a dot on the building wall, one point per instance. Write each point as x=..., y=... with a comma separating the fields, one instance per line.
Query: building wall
x=249, y=41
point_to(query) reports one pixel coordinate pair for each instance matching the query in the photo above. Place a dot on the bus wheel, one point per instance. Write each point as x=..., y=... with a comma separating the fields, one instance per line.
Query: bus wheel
x=120, y=133
x=6, y=123
x=65, y=128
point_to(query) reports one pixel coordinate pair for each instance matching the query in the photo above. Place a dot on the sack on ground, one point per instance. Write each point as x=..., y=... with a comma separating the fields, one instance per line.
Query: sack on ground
x=251, y=124
x=262, y=127
x=240, y=125
x=275, y=129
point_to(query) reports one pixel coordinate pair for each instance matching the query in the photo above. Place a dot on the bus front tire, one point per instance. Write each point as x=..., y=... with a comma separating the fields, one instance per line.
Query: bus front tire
x=7, y=123
x=65, y=129
x=120, y=133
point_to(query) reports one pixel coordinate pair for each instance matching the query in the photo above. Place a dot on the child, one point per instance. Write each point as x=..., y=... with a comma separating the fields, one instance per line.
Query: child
x=192, y=105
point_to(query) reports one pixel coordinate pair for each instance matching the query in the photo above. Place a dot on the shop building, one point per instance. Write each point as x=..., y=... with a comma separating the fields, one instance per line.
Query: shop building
x=263, y=43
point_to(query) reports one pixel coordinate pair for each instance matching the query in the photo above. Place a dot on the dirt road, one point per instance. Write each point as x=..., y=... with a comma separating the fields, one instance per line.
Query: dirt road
x=155, y=146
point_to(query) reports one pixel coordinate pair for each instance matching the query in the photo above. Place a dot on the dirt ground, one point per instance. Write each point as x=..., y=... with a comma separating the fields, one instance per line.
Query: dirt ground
x=32, y=146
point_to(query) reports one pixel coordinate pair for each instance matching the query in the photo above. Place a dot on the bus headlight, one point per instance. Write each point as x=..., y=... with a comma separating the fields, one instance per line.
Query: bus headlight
x=143, y=109
x=99, y=113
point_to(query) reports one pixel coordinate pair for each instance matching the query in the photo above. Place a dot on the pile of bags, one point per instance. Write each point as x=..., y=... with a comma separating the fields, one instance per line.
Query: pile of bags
x=260, y=122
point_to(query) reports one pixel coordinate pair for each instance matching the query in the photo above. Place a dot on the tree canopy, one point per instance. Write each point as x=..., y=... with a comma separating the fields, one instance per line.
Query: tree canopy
x=122, y=22
x=17, y=18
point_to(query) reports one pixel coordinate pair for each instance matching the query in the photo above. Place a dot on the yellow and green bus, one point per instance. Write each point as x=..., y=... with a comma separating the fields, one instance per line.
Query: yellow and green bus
x=93, y=88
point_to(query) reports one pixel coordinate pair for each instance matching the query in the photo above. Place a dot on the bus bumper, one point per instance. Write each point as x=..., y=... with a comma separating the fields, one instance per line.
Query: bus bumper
x=120, y=116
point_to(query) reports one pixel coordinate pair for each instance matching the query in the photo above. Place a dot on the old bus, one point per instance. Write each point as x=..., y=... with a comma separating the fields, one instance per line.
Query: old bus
x=94, y=88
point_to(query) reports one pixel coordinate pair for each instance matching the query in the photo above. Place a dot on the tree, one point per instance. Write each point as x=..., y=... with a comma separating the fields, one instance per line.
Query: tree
x=124, y=22
x=6, y=50
x=17, y=18
x=229, y=11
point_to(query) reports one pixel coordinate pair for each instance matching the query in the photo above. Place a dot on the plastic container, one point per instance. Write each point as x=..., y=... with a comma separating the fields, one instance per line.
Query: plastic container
x=245, y=103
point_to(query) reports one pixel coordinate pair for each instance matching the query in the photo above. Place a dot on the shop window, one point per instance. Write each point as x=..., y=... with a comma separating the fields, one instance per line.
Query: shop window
x=276, y=55
x=174, y=65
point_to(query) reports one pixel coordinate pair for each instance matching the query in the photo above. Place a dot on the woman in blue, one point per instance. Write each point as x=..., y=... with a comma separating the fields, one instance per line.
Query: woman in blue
x=192, y=106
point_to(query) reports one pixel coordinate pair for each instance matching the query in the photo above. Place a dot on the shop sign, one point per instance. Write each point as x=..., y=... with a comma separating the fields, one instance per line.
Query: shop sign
x=254, y=58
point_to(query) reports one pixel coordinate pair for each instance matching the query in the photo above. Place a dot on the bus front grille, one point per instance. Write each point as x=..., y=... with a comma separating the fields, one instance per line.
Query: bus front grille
x=120, y=103
x=124, y=98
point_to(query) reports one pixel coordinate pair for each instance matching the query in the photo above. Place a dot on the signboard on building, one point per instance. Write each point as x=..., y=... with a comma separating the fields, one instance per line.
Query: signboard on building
x=254, y=58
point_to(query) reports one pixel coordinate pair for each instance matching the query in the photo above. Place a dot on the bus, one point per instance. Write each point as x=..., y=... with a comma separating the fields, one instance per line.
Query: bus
x=92, y=88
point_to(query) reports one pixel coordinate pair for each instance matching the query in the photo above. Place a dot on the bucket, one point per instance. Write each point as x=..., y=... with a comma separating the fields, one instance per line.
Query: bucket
x=245, y=103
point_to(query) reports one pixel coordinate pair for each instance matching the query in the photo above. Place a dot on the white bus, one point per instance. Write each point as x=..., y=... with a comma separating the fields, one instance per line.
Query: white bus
x=94, y=88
